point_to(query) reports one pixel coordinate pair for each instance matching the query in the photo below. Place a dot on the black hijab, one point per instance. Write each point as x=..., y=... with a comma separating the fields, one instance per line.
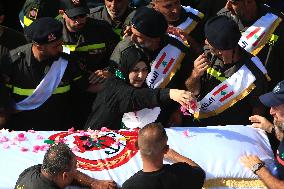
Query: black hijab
x=129, y=58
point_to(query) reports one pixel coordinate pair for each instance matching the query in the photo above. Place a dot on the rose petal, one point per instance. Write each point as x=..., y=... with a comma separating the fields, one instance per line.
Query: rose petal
x=104, y=129
x=186, y=133
x=39, y=137
x=71, y=130
x=75, y=149
x=21, y=135
x=24, y=149
x=3, y=139
x=6, y=146
x=31, y=131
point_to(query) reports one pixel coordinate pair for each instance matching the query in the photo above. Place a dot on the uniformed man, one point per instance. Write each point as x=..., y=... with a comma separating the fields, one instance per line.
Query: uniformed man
x=114, y=12
x=183, y=21
x=91, y=40
x=171, y=60
x=39, y=77
x=34, y=9
x=227, y=79
x=250, y=15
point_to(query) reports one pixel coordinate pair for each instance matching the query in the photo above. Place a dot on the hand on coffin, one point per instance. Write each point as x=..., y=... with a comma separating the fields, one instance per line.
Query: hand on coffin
x=103, y=184
x=261, y=122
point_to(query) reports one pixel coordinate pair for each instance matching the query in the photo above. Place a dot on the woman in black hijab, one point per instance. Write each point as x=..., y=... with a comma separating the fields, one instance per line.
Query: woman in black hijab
x=128, y=92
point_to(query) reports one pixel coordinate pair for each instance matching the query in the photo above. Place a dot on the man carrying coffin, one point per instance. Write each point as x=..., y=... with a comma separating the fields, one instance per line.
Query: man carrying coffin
x=274, y=100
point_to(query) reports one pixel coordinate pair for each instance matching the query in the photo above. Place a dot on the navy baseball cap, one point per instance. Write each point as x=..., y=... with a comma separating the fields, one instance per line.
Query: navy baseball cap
x=44, y=30
x=274, y=98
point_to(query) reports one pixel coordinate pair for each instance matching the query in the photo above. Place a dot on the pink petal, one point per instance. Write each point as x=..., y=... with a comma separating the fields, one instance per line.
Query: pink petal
x=3, y=139
x=186, y=133
x=75, y=149
x=6, y=146
x=39, y=137
x=71, y=130
x=44, y=147
x=36, y=147
x=104, y=129
x=24, y=149
x=21, y=135
x=31, y=131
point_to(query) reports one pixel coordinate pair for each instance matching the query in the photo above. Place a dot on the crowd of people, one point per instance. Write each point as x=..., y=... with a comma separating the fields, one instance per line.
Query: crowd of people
x=87, y=64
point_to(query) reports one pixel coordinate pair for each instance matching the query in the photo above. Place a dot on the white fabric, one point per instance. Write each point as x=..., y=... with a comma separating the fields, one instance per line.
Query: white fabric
x=236, y=84
x=257, y=62
x=216, y=149
x=140, y=118
x=46, y=87
x=255, y=33
x=158, y=69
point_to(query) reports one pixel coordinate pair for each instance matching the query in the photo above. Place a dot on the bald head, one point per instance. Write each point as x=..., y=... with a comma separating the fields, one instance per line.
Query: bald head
x=152, y=140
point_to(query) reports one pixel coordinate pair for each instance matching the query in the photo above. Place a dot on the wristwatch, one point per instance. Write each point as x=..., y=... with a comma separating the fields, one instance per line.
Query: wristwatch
x=257, y=167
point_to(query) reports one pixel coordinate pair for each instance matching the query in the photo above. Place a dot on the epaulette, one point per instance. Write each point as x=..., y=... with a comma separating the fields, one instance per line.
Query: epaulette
x=17, y=54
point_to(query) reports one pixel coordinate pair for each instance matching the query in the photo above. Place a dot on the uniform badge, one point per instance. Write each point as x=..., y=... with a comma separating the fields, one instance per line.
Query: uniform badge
x=51, y=37
x=276, y=88
x=33, y=13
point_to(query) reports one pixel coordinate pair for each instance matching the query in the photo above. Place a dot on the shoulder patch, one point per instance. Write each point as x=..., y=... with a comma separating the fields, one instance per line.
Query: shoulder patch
x=17, y=54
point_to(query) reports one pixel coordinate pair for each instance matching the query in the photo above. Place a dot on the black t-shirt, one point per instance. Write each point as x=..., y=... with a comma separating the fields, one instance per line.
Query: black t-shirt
x=280, y=160
x=31, y=178
x=177, y=175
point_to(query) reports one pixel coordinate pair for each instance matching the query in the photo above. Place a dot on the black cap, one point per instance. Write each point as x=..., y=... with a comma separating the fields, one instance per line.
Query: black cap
x=274, y=98
x=44, y=30
x=74, y=8
x=150, y=22
x=222, y=33
x=130, y=57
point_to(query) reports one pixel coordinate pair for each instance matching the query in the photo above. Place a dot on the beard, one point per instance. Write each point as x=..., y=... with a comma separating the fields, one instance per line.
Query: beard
x=278, y=124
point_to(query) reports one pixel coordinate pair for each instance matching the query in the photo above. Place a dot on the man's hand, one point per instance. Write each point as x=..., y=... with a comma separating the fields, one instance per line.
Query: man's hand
x=261, y=122
x=250, y=161
x=99, y=76
x=200, y=66
x=103, y=184
x=127, y=32
x=178, y=32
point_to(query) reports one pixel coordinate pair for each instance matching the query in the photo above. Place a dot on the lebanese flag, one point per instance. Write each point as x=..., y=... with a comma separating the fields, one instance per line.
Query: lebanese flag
x=221, y=91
